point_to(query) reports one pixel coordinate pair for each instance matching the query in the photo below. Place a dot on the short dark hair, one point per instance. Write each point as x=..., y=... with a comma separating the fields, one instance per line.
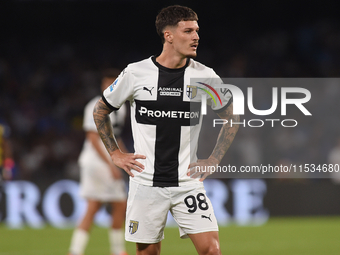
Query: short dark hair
x=171, y=15
x=110, y=73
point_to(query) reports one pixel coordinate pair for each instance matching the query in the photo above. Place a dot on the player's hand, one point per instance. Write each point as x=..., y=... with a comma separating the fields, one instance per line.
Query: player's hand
x=127, y=161
x=202, y=168
x=116, y=173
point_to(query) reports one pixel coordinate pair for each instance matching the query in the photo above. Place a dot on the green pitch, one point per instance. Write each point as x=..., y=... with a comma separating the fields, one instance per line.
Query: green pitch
x=280, y=236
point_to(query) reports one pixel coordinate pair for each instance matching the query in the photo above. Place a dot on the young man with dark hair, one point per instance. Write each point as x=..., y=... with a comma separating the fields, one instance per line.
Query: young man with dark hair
x=166, y=120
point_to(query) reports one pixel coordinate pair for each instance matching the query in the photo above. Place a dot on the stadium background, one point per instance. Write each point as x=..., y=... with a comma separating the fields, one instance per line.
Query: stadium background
x=51, y=54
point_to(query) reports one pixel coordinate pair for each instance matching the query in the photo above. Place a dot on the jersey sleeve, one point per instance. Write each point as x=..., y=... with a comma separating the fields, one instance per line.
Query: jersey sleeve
x=120, y=90
x=222, y=97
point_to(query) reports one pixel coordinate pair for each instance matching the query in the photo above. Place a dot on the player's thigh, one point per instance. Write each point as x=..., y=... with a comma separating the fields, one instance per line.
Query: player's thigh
x=146, y=214
x=118, y=207
x=206, y=243
x=193, y=211
x=93, y=206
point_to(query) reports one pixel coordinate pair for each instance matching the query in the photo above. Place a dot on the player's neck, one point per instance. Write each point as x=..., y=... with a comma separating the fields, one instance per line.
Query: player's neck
x=171, y=60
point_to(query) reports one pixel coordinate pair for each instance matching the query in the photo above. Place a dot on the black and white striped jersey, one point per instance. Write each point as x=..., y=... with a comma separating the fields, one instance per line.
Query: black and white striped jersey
x=165, y=115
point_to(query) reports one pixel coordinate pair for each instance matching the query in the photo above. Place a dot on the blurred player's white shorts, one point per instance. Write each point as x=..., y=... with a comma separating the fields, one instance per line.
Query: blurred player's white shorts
x=147, y=210
x=97, y=183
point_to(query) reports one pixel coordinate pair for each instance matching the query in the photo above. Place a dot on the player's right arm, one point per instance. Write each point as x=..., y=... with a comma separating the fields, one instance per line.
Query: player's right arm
x=94, y=138
x=126, y=161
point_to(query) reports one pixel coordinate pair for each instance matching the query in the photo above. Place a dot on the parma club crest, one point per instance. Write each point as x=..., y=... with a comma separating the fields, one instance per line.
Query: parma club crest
x=133, y=227
x=191, y=91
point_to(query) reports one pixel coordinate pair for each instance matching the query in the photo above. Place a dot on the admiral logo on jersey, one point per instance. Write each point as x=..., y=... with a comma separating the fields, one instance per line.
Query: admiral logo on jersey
x=163, y=91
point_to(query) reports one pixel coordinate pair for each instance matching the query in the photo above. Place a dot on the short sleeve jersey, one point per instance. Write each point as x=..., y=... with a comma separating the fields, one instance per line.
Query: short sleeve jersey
x=165, y=115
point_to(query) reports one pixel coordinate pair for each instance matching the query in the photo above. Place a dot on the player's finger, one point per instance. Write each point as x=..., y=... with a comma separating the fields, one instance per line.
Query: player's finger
x=203, y=177
x=134, y=167
x=191, y=171
x=195, y=174
x=127, y=170
x=138, y=156
x=198, y=168
x=140, y=165
x=193, y=164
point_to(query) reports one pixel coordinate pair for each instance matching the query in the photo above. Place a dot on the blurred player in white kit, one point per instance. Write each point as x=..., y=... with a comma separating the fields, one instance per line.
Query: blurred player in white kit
x=100, y=180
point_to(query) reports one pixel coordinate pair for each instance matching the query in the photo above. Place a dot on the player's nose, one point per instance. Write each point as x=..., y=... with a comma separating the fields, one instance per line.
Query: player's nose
x=196, y=36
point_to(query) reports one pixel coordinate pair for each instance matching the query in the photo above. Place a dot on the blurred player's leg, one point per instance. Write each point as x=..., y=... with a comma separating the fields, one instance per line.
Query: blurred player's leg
x=206, y=243
x=116, y=233
x=92, y=208
x=148, y=249
x=80, y=235
x=79, y=241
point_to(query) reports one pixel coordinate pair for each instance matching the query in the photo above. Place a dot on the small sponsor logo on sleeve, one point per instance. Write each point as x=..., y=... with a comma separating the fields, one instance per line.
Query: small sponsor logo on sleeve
x=113, y=84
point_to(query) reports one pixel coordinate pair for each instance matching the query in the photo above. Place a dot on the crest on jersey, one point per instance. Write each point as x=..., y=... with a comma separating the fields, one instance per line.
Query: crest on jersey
x=191, y=91
x=133, y=227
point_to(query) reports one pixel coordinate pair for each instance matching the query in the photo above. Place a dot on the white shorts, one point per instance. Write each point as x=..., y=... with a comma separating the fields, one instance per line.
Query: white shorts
x=97, y=183
x=147, y=210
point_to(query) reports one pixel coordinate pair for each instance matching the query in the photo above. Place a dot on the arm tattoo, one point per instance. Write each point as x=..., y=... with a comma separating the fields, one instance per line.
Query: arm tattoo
x=101, y=118
x=227, y=133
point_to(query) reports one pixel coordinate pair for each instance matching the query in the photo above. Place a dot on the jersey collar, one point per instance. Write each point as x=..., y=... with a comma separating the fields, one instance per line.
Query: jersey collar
x=170, y=70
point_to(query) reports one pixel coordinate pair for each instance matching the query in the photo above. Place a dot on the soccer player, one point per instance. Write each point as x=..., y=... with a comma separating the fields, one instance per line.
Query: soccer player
x=100, y=180
x=166, y=120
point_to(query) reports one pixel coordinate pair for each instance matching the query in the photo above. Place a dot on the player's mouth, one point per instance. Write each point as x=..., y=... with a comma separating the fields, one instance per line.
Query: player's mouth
x=194, y=46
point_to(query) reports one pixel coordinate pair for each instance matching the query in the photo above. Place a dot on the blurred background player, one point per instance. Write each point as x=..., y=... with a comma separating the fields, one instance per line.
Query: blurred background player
x=6, y=157
x=100, y=180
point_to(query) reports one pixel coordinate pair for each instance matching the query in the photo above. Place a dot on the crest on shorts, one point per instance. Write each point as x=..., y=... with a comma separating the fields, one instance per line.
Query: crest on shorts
x=133, y=227
x=191, y=91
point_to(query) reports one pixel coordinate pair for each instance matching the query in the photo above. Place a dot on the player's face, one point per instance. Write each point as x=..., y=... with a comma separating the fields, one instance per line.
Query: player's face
x=185, y=38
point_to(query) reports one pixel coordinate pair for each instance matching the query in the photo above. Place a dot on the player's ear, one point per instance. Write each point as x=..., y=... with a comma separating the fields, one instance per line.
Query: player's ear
x=168, y=36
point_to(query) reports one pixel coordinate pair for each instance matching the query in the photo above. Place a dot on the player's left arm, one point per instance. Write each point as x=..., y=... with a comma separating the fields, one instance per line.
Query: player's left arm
x=224, y=140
